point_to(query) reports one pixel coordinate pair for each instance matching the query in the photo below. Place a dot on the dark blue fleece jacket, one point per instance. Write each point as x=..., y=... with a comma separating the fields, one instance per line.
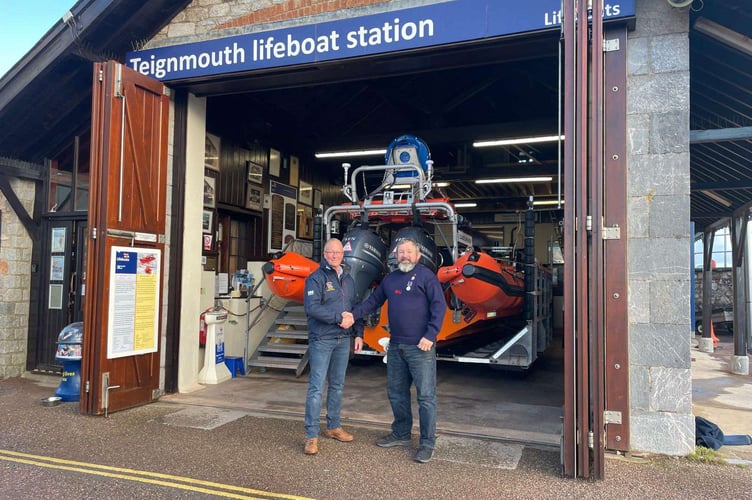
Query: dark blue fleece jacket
x=416, y=305
x=327, y=296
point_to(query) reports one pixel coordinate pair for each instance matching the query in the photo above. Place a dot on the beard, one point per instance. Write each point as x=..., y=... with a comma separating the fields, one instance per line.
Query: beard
x=406, y=266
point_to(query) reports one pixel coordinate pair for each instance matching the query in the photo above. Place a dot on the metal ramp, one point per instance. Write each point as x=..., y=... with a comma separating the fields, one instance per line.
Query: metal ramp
x=520, y=343
x=285, y=346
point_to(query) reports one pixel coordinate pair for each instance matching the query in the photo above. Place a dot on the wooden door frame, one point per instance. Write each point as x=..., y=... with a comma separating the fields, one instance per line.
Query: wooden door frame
x=596, y=350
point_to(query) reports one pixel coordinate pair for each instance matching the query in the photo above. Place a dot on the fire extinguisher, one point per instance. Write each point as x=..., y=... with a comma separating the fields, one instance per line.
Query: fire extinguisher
x=202, y=330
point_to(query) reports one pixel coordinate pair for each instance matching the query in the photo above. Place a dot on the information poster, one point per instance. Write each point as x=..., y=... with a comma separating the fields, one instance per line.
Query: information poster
x=133, y=301
x=282, y=215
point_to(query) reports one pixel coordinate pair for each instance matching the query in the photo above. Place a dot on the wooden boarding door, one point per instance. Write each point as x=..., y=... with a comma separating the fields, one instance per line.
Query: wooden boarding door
x=125, y=261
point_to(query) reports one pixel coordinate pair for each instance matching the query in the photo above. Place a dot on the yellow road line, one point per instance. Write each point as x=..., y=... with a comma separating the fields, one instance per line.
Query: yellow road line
x=132, y=475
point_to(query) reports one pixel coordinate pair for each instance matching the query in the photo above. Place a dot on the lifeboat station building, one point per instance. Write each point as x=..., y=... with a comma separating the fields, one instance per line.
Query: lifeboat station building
x=154, y=156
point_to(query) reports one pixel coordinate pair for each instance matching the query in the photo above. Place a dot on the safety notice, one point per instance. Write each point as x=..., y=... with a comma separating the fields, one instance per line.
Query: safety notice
x=133, y=301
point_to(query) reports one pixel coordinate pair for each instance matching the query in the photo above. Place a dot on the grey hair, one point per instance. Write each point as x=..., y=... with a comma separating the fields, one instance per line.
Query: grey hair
x=408, y=240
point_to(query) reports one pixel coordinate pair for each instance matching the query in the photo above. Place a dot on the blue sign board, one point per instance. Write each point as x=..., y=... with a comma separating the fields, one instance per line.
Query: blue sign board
x=125, y=262
x=419, y=27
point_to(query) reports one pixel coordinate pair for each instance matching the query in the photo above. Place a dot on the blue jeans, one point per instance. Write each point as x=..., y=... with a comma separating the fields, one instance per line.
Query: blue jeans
x=405, y=365
x=328, y=359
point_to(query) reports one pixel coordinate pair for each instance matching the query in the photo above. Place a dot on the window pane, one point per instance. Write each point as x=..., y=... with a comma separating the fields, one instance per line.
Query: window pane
x=61, y=182
x=82, y=175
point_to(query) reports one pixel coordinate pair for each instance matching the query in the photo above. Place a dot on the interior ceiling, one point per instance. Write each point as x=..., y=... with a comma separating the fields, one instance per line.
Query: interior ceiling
x=456, y=102
x=448, y=97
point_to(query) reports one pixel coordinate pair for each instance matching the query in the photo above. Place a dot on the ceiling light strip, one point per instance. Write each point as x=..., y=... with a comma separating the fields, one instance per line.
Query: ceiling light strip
x=344, y=154
x=519, y=140
x=510, y=180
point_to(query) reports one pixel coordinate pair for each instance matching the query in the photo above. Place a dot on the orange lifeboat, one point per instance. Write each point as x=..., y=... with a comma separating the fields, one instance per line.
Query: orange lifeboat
x=286, y=275
x=490, y=289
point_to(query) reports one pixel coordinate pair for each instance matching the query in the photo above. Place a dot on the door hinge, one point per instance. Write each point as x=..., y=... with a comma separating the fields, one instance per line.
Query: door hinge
x=611, y=45
x=590, y=440
x=612, y=417
x=166, y=91
x=93, y=233
x=611, y=232
x=86, y=387
x=589, y=223
x=100, y=75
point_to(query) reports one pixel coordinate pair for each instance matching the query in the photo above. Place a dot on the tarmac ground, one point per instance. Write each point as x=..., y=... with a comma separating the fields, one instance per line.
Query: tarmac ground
x=184, y=447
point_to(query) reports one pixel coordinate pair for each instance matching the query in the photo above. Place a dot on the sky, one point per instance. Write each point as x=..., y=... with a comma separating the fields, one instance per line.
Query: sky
x=23, y=23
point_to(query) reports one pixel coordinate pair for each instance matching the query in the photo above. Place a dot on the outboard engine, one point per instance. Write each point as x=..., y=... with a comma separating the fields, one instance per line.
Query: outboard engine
x=365, y=254
x=429, y=255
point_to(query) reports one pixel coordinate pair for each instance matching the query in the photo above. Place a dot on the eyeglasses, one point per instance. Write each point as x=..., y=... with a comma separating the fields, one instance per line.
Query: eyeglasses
x=333, y=252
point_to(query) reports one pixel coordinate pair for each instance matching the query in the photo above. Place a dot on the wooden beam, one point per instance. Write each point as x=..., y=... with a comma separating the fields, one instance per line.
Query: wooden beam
x=724, y=186
x=28, y=222
x=21, y=169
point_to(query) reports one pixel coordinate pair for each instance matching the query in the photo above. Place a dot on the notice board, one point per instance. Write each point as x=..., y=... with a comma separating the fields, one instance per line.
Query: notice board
x=134, y=301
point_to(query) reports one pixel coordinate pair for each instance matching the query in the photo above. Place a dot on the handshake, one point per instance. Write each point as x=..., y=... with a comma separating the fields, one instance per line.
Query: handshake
x=347, y=320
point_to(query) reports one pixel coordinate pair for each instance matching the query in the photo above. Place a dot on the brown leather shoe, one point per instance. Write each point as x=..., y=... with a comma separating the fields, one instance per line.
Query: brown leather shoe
x=339, y=434
x=311, y=446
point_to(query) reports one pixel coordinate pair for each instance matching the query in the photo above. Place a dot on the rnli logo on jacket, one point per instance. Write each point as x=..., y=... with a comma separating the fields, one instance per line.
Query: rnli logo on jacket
x=310, y=292
x=329, y=286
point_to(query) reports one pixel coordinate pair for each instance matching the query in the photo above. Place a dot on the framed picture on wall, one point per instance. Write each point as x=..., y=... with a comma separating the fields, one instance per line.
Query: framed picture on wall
x=294, y=170
x=254, y=197
x=58, y=239
x=206, y=221
x=306, y=193
x=210, y=192
x=211, y=151
x=255, y=172
x=282, y=215
x=305, y=222
x=275, y=161
x=316, y=199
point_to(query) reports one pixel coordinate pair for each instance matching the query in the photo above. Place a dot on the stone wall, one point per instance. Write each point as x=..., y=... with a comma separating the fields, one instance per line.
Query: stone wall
x=658, y=230
x=15, y=275
x=722, y=296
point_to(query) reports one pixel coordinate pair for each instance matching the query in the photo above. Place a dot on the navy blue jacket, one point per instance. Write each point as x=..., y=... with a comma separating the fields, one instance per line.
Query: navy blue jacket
x=326, y=298
x=416, y=305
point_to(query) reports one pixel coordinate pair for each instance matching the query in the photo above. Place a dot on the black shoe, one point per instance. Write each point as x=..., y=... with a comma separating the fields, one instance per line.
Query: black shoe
x=392, y=440
x=423, y=454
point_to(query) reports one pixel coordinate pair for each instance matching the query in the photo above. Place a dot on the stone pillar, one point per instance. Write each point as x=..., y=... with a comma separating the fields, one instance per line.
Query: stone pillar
x=739, y=365
x=658, y=194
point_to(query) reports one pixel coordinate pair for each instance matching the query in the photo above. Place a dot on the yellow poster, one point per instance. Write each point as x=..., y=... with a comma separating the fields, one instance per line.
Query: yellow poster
x=134, y=301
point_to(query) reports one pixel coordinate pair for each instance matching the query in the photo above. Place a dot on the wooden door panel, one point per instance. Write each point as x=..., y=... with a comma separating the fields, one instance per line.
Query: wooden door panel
x=127, y=209
x=142, y=145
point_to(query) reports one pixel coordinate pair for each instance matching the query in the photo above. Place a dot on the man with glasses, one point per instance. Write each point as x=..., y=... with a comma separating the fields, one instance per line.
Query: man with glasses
x=329, y=296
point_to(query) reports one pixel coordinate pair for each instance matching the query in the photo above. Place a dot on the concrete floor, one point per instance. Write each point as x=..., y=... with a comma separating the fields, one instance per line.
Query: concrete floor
x=478, y=401
x=723, y=397
x=474, y=400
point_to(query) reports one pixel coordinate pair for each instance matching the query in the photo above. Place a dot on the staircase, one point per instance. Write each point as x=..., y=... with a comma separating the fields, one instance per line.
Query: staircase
x=285, y=346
